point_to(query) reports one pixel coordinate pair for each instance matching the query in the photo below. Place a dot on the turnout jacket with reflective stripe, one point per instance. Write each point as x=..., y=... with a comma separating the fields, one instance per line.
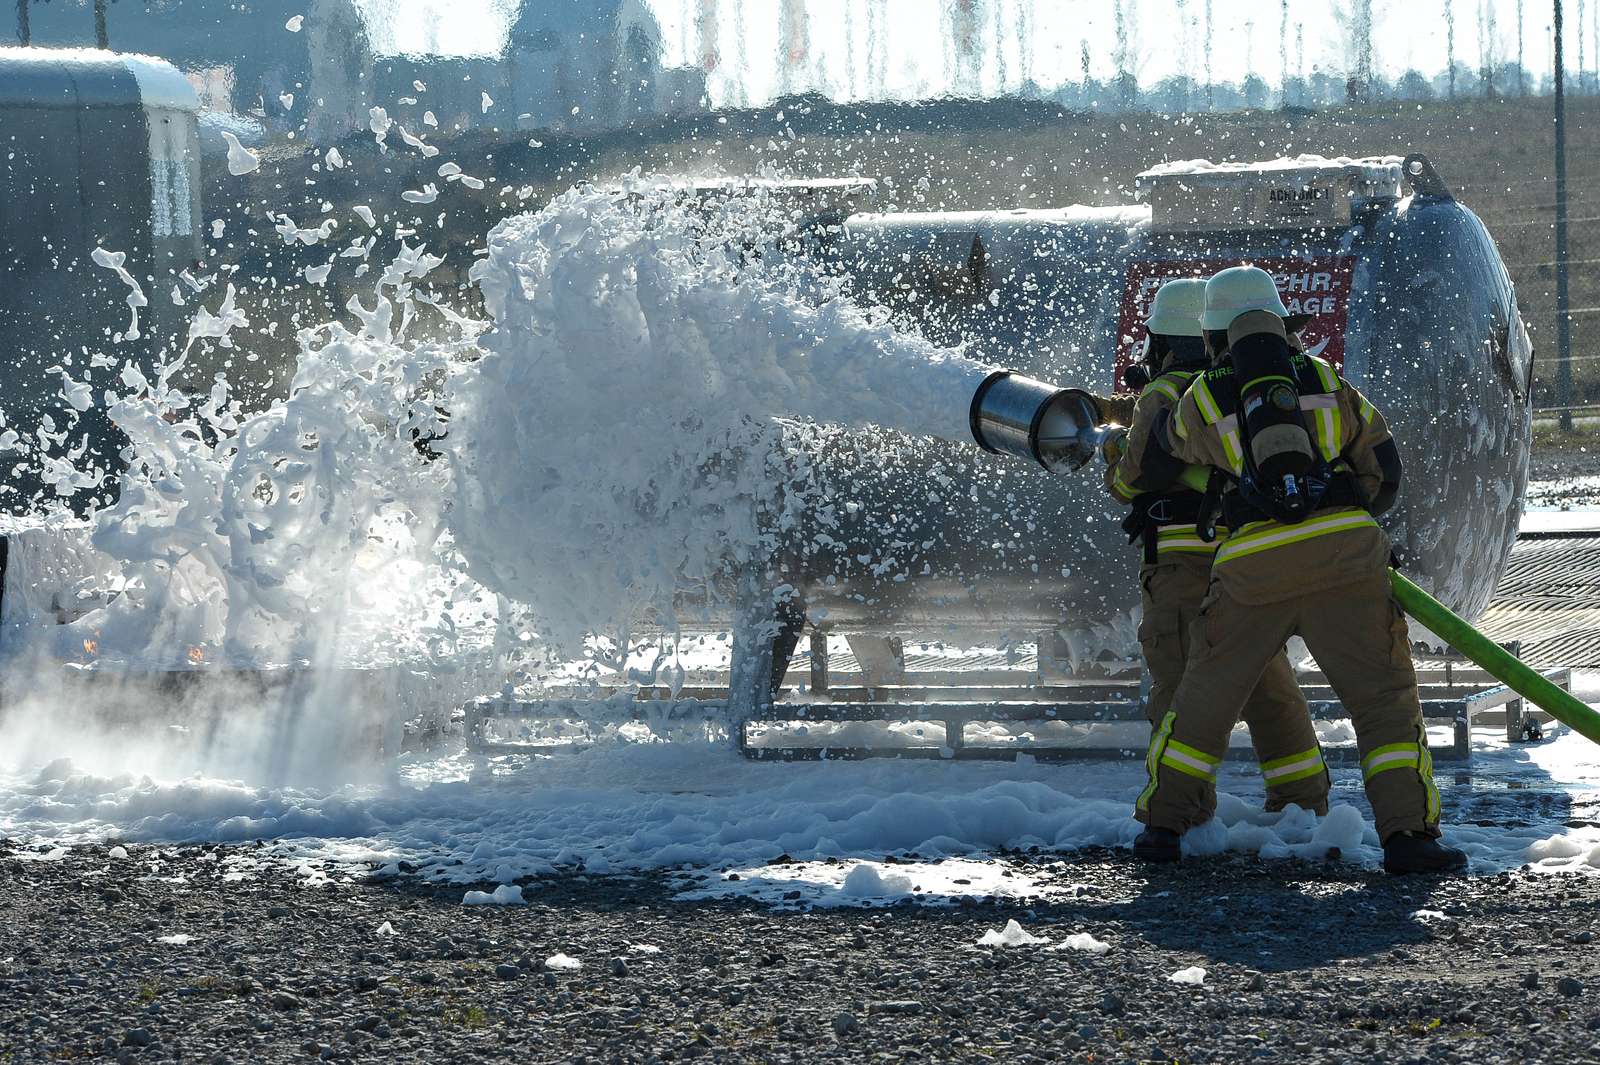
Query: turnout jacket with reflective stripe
x=1268, y=561
x=1128, y=478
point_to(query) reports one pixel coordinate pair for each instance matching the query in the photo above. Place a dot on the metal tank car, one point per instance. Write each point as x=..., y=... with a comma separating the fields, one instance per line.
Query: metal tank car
x=101, y=151
x=1407, y=295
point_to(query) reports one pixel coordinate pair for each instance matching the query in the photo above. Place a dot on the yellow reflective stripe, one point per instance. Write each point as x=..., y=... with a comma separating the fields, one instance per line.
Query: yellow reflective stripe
x=1368, y=411
x=1182, y=763
x=1231, y=448
x=1292, y=768
x=1182, y=539
x=1152, y=758
x=1395, y=756
x=1121, y=488
x=1166, y=388
x=1425, y=771
x=1310, y=770
x=1194, y=754
x=1393, y=761
x=1268, y=377
x=1330, y=422
x=1326, y=374
x=1282, y=535
x=1290, y=760
x=1330, y=440
x=1206, y=402
x=1177, y=423
x=1197, y=547
x=1378, y=752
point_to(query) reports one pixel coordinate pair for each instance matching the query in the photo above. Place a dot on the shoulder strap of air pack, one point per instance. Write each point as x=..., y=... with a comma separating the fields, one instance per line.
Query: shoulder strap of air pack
x=1215, y=394
x=1319, y=386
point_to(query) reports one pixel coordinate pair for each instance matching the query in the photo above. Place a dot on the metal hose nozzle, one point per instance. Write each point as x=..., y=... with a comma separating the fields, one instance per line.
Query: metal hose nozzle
x=1056, y=427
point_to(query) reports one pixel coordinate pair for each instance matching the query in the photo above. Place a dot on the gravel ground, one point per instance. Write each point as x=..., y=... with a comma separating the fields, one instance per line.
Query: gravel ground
x=1568, y=477
x=1304, y=963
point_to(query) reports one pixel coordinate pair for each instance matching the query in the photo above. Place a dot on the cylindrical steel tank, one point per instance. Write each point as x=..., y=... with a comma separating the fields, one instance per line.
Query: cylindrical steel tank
x=1407, y=294
x=101, y=151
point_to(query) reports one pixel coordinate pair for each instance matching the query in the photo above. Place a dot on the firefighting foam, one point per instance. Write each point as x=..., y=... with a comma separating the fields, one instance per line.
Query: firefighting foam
x=609, y=440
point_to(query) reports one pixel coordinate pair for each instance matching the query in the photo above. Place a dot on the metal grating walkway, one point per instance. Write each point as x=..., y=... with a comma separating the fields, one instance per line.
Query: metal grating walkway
x=1549, y=601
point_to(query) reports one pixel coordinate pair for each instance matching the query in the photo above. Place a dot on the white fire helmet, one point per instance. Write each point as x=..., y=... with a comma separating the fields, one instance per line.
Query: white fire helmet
x=1240, y=290
x=1176, y=310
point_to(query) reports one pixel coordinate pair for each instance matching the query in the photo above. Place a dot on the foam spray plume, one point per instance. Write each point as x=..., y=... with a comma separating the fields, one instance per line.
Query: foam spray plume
x=617, y=440
x=632, y=425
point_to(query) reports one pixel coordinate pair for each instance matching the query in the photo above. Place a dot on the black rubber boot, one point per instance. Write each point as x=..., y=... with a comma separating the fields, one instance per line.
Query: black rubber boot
x=1416, y=852
x=1157, y=845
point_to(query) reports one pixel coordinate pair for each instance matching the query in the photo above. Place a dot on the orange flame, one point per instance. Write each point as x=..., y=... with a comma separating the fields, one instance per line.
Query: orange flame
x=196, y=656
x=90, y=647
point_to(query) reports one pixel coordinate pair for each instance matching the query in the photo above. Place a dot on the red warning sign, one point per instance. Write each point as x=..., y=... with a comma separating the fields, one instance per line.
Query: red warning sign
x=1318, y=287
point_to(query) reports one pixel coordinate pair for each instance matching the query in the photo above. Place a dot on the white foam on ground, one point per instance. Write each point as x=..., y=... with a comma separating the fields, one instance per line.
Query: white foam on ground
x=833, y=882
x=1013, y=935
x=504, y=895
x=701, y=808
x=1083, y=941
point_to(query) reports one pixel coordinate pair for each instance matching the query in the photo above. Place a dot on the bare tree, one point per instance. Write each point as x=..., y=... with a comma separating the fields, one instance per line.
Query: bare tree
x=1000, y=47
x=1249, y=47
x=1300, y=56
x=1579, y=35
x=1521, y=70
x=1025, y=41
x=850, y=49
x=1450, y=43
x=1283, y=54
x=24, y=31
x=794, y=46
x=1210, y=99
x=1487, y=57
x=1185, y=44
x=1126, y=55
x=1362, y=42
x=1355, y=39
x=742, y=92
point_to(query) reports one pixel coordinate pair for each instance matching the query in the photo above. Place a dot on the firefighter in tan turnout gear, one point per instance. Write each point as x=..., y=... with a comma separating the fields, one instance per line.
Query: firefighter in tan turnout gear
x=1176, y=564
x=1307, y=462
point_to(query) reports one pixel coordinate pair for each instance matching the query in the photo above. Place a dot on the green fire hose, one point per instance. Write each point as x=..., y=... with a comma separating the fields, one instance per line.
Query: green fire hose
x=1516, y=675
x=1494, y=659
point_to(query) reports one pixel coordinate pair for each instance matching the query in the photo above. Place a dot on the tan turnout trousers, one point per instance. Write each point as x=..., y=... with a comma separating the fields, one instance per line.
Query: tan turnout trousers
x=1173, y=587
x=1274, y=709
x=1358, y=636
x=1326, y=579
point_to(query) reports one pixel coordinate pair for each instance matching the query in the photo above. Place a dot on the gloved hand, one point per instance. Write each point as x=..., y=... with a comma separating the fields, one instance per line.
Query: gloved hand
x=1113, y=446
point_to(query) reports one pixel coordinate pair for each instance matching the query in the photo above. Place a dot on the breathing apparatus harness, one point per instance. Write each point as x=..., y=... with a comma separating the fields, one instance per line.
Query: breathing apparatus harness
x=1266, y=386
x=1184, y=358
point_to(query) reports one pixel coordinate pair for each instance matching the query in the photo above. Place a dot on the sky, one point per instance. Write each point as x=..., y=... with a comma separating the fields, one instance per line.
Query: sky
x=1042, y=39
x=1169, y=38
